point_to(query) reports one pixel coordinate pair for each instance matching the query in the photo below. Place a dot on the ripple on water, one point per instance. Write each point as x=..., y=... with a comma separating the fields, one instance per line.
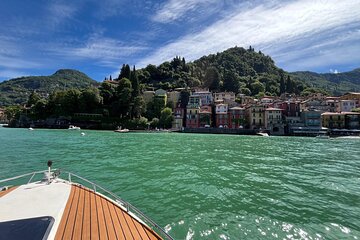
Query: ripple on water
x=210, y=186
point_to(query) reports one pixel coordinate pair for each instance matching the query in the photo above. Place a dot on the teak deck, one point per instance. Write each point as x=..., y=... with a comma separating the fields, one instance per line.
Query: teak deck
x=88, y=215
x=3, y=193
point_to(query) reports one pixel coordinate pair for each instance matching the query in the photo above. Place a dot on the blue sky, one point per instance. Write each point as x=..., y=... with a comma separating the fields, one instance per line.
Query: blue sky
x=38, y=37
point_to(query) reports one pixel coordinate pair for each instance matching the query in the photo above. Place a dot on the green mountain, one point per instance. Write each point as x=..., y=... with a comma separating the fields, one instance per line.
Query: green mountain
x=236, y=69
x=336, y=84
x=17, y=90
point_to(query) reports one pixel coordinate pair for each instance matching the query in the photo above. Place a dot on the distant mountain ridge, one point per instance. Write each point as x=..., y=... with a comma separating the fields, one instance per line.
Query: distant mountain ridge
x=334, y=83
x=17, y=90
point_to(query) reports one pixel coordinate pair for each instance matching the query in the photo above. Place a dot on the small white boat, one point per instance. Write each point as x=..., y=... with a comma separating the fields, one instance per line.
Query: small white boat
x=31, y=129
x=72, y=127
x=83, y=134
x=323, y=136
x=349, y=137
x=120, y=130
x=263, y=134
x=62, y=208
x=3, y=125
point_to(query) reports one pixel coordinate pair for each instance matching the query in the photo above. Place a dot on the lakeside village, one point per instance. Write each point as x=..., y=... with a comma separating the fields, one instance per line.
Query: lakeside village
x=227, y=113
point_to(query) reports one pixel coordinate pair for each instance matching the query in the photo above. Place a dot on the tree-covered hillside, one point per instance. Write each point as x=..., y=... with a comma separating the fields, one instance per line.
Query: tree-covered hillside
x=335, y=84
x=236, y=69
x=18, y=90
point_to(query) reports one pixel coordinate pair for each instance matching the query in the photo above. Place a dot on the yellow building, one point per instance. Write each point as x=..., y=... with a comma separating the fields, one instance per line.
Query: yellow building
x=256, y=116
x=173, y=97
x=333, y=120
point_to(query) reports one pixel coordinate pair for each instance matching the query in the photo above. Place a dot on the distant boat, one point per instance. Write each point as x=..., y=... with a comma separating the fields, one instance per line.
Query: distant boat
x=31, y=129
x=82, y=134
x=72, y=127
x=263, y=134
x=323, y=136
x=349, y=137
x=68, y=208
x=3, y=125
x=119, y=130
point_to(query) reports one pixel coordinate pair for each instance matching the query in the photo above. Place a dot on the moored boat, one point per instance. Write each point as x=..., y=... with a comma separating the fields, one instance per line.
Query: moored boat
x=122, y=130
x=72, y=127
x=57, y=208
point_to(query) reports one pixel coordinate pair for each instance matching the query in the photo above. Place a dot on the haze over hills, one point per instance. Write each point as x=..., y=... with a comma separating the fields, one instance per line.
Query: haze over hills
x=335, y=83
x=17, y=90
x=236, y=69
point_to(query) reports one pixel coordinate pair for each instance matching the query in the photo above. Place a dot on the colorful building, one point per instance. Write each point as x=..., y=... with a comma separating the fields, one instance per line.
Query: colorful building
x=237, y=117
x=173, y=98
x=222, y=117
x=273, y=121
x=222, y=96
x=352, y=96
x=205, y=116
x=205, y=96
x=256, y=116
x=178, y=117
x=347, y=105
x=311, y=118
x=192, y=111
x=333, y=120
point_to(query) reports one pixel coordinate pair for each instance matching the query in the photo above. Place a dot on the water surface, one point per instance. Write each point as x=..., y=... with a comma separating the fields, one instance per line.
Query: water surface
x=210, y=186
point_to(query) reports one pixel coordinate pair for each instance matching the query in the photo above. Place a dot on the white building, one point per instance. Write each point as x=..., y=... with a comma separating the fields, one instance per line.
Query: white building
x=347, y=105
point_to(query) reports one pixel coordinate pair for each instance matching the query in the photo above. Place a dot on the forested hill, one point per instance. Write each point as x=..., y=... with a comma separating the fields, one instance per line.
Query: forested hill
x=334, y=83
x=236, y=69
x=17, y=90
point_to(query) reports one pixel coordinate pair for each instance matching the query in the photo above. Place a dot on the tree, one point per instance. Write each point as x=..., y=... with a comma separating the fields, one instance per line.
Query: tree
x=89, y=100
x=138, y=107
x=257, y=87
x=154, y=123
x=33, y=98
x=124, y=72
x=212, y=79
x=124, y=92
x=166, y=118
x=282, y=84
x=12, y=112
x=134, y=83
x=107, y=92
x=289, y=85
x=231, y=82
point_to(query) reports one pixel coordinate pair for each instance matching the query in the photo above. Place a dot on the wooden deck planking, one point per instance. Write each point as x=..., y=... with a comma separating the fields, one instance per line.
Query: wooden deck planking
x=63, y=222
x=68, y=231
x=94, y=232
x=3, y=193
x=101, y=218
x=86, y=226
x=78, y=221
x=88, y=215
x=116, y=222
x=109, y=220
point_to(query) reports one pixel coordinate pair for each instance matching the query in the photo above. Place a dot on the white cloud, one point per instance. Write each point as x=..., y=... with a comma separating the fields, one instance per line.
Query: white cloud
x=60, y=12
x=175, y=9
x=106, y=51
x=264, y=26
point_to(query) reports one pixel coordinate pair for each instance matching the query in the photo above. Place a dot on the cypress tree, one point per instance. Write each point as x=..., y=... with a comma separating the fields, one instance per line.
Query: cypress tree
x=289, y=85
x=135, y=83
x=282, y=84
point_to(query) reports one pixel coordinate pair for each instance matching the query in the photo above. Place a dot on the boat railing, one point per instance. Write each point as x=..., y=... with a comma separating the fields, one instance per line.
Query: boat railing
x=95, y=187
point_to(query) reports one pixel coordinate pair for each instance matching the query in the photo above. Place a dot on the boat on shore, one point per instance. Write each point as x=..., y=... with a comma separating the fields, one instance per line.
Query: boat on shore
x=68, y=208
x=72, y=127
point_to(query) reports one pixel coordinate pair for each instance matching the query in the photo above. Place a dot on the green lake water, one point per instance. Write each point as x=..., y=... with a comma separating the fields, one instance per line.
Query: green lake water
x=209, y=186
